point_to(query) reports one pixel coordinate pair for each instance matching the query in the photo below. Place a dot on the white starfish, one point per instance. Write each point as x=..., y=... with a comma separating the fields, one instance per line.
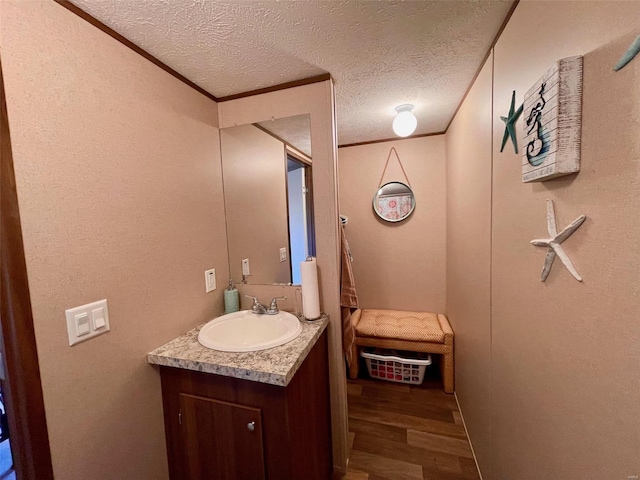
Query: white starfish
x=554, y=243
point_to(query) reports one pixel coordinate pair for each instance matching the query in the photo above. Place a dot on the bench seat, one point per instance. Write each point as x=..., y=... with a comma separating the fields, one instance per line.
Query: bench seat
x=404, y=330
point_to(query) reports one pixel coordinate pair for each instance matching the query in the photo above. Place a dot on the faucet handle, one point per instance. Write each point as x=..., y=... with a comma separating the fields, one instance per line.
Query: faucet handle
x=257, y=307
x=273, y=306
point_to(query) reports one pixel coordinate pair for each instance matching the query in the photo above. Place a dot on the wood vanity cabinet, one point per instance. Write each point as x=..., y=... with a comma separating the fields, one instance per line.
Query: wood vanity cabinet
x=225, y=428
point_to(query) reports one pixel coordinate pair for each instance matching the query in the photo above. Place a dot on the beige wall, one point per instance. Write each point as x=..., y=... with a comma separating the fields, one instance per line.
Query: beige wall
x=401, y=265
x=469, y=258
x=120, y=194
x=564, y=354
x=560, y=348
x=255, y=190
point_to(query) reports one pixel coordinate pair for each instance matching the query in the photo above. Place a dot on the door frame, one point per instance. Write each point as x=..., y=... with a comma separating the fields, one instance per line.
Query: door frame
x=22, y=386
x=308, y=180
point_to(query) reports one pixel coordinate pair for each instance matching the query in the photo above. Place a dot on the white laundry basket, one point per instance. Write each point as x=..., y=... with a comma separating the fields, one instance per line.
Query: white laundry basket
x=397, y=366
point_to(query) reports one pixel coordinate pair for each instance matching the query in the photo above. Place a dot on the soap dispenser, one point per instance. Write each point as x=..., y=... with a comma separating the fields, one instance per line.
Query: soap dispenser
x=231, y=301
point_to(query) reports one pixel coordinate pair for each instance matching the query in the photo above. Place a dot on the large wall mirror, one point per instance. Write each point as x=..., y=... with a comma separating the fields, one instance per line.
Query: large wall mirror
x=267, y=175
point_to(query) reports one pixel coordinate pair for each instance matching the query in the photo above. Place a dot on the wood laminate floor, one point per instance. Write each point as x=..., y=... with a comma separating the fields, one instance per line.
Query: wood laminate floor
x=406, y=432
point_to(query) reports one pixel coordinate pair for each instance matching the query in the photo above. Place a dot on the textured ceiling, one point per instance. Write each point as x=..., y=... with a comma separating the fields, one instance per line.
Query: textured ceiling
x=380, y=53
x=296, y=131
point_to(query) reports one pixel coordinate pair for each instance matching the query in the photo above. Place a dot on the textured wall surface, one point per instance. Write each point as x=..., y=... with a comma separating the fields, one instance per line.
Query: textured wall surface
x=120, y=192
x=397, y=265
x=564, y=354
x=381, y=55
x=255, y=193
x=469, y=159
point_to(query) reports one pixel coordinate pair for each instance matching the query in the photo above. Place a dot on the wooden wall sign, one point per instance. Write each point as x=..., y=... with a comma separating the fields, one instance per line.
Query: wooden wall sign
x=553, y=123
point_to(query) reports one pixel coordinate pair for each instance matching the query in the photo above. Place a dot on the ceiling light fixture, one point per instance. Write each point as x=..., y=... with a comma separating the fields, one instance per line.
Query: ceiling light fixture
x=405, y=122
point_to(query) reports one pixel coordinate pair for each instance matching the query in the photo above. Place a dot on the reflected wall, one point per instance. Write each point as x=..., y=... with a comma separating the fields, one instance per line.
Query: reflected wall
x=255, y=190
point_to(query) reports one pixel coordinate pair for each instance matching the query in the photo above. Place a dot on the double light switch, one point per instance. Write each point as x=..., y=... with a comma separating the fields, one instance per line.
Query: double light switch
x=87, y=321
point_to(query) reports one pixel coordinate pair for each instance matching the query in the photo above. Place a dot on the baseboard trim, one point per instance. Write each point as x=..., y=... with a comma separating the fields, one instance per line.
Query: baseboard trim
x=466, y=432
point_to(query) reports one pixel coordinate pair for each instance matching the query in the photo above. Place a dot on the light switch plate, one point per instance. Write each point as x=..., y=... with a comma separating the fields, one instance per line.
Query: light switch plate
x=245, y=267
x=210, y=280
x=87, y=321
x=283, y=254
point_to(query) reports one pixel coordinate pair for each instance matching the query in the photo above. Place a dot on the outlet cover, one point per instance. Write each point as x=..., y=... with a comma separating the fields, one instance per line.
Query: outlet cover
x=283, y=254
x=210, y=280
x=245, y=267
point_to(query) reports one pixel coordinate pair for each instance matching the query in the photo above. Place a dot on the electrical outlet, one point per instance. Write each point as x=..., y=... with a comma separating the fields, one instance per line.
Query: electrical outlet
x=245, y=267
x=210, y=280
x=283, y=254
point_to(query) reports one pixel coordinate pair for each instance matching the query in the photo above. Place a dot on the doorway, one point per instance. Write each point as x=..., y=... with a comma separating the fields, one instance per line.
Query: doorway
x=300, y=209
x=7, y=471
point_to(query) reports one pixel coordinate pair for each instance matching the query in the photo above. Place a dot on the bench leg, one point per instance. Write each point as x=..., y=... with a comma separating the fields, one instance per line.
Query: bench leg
x=355, y=362
x=446, y=368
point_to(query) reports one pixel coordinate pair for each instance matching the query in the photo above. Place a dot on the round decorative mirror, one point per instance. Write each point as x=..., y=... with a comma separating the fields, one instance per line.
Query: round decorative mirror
x=394, y=201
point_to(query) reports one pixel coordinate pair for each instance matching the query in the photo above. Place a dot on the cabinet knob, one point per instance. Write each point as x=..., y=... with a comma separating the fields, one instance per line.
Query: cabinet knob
x=251, y=426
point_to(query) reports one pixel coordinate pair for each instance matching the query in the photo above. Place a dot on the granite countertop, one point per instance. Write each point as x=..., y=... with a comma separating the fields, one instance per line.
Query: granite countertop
x=275, y=366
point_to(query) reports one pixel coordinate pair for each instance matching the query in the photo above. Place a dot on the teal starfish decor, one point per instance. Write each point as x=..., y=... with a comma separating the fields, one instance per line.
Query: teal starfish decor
x=629, y=55
x=510, y=124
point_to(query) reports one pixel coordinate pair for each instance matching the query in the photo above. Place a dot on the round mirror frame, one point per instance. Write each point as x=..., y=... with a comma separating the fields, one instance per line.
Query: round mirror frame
x=394, y=220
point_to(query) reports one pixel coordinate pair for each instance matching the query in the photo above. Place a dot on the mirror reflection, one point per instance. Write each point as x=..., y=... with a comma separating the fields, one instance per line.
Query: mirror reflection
x=268, y=199
x=394, y=202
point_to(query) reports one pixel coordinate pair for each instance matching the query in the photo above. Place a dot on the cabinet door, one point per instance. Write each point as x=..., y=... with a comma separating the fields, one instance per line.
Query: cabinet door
x=221, y=441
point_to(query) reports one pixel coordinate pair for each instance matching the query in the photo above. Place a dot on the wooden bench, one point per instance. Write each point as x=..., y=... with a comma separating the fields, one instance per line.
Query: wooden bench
x=401, y=330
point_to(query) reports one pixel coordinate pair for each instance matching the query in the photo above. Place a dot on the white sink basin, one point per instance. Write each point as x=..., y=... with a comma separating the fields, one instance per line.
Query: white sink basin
x=249, y=332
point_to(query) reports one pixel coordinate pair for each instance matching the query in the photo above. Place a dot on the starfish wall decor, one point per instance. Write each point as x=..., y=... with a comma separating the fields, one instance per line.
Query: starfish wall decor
x=554, y=243
x=629, y=55
x=510, y=124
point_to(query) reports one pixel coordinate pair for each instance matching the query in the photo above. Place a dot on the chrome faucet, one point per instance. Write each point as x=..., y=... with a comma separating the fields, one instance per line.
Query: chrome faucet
x=273, y=306
x=257, y=307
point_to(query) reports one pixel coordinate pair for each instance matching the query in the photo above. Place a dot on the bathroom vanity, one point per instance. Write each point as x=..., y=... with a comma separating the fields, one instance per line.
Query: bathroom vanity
x=247, y=416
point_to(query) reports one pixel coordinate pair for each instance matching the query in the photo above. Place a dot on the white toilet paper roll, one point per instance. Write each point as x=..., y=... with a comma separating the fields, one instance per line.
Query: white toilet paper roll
x=310, y=294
